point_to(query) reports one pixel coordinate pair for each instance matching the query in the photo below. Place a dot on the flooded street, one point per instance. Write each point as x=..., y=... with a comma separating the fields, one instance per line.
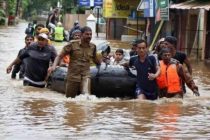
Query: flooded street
x=36, y=114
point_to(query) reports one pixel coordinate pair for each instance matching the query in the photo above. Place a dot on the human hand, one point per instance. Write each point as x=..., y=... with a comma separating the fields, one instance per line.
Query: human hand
x=196, y=93
x=9, y=69
x=50, y=70
x=151, y=76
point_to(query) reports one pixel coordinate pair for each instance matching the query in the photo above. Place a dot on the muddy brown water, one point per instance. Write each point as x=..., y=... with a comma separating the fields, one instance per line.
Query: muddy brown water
x=31, y=113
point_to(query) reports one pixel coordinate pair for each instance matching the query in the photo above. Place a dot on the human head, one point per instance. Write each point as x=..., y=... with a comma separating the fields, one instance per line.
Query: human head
x=76, y=34
x=30, y=25
x=44, y=30
x=38, y=28
x=159, y=45
x=133, y=43
x=28, y=40
x=59, y=24
x=119, y=54
x=56, y=10
x=86, y=34
x=76, y=23
x=141, y=47
x=42, y=40
x=166, y=55
x=170, y=42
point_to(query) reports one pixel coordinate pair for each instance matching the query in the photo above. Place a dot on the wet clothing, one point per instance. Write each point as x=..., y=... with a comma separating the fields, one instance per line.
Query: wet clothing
x=169, y=78
x=79, y=66
x=180, y=56
x=176, y=71
x=19, y=67
x=132, y=53
x=36, y=61
x=148, y=87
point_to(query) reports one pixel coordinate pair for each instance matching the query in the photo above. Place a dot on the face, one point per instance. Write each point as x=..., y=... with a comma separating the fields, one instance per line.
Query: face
x=141, y=49
x=133, y=48
x=86, y=36
x=168, y=45
x=118, y=56
x=38, y=29
x=77, y=35
x=166, y=57
x=28, y=41
x=42, y=42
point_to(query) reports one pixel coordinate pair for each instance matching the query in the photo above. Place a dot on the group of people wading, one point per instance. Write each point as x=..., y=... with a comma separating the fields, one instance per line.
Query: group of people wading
x=159, y=73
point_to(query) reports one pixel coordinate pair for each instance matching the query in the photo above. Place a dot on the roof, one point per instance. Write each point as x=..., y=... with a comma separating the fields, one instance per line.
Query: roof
x=192, y=5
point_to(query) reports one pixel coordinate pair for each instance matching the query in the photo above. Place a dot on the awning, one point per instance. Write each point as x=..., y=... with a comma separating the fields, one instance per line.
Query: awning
x=191, y=5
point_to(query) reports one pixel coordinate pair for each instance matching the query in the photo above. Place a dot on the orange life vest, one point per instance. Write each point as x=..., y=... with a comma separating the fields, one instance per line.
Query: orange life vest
x=169, y=78
x=66, y=59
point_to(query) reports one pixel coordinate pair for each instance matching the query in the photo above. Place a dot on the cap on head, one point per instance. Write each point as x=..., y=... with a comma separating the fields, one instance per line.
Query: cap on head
x=171, y=40
x=43, y=35
x=59, y=24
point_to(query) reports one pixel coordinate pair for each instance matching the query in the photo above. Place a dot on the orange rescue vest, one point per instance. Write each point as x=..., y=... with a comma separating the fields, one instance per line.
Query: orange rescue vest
x=169, y=78
x=66, y=59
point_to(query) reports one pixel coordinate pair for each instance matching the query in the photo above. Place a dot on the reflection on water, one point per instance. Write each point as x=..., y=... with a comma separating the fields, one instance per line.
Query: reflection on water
x=33, y=113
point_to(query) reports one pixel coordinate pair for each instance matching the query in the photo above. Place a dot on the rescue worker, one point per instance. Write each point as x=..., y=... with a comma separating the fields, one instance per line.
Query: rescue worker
x=59, y=32
x=37, y=58
x=65, y=61
x=171, y=42
x=81, y=52
x=171, y=76
x=147, y=70
x=20, y=67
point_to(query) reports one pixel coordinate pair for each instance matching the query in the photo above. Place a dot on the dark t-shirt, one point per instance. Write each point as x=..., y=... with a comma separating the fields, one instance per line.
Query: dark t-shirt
x=143, y=68
x=36, y=61
x=180, y=56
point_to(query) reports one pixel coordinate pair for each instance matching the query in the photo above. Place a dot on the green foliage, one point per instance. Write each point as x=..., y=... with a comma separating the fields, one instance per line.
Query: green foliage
x=11, y=7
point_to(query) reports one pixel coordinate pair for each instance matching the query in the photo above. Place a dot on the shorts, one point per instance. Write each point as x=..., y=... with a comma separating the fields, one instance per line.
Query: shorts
x=148, y=95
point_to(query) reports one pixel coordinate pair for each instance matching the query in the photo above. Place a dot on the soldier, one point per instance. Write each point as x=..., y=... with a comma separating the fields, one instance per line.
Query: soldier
x=81, y=52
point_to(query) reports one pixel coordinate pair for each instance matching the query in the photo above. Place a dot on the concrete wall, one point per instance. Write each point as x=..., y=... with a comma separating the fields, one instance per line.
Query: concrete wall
x=69, y=20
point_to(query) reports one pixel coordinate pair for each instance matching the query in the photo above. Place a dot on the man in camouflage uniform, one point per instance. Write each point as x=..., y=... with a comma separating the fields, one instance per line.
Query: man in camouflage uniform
x=81, y=52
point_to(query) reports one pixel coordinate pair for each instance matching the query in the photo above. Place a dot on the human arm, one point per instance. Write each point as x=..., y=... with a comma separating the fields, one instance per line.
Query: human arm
x=155, y=63
x=96, y=60
x=189, y=67
x=66, y=49
x=187, y=78
x=16, y=61
x=152, y=76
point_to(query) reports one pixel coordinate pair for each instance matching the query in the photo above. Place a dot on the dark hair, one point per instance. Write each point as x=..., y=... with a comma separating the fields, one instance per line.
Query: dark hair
x=119, y=51
x=39, y=25
x=139, y=41
x=29, y=36
x=165, y=50
x=172, y=40
x=85, y=28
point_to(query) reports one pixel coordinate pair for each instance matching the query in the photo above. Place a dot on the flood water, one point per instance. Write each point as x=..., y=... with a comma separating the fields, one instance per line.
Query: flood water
x=33, y=113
